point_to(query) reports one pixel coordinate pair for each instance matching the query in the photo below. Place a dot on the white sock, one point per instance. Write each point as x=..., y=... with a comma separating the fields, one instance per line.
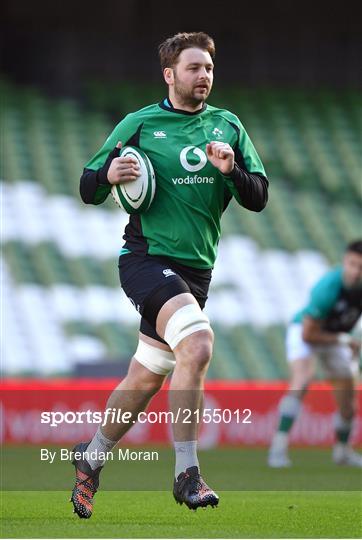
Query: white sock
x=290, y=406
x=186, y=456
x=279, y=442
x=98, y=444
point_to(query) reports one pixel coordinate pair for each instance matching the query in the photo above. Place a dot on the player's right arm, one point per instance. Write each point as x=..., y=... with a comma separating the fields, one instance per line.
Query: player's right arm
x=122, y=169
x=106, y=167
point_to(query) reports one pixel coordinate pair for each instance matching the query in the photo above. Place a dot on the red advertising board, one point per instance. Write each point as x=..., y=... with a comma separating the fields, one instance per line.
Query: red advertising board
x=235, y=413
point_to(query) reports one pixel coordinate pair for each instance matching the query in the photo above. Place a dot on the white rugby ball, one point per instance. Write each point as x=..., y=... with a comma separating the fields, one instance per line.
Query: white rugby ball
x=136, y=196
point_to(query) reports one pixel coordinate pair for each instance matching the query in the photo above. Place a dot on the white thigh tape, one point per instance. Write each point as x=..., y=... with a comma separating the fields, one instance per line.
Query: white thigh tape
x=184, y=322
x=154, y=359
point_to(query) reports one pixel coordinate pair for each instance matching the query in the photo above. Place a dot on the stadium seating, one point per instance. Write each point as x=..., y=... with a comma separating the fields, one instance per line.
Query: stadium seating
x=63, y=302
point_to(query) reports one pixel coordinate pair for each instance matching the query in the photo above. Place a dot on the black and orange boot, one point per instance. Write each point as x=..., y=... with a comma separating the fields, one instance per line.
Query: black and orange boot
x=190, y=488
x=86, y=484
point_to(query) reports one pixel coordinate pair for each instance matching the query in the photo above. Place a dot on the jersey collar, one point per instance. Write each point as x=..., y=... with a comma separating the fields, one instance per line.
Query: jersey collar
x=167, y=106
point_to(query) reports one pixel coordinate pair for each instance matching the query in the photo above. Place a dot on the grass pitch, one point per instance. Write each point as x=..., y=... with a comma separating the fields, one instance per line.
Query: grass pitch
x=313, y=499
x=155, y=515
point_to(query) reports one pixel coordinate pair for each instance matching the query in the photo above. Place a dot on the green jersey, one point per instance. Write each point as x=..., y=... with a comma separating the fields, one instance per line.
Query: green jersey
x=183, y=221
x=338, y=307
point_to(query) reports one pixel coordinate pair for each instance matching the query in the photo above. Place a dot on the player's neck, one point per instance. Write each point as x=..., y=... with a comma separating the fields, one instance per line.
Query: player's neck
x=177, y=104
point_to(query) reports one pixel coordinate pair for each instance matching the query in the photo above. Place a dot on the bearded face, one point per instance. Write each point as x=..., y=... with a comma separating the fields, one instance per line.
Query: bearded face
x=191, y=93
x=192, y=77
x=352, y=269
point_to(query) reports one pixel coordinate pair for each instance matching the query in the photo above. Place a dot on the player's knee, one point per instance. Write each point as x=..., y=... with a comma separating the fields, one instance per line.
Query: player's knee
x=200, y=350
x=143, y=383
x=151, y=386
x=301, y=377
x=156, y=364
x=299, y=387
x=186, y=322
x=195, y=351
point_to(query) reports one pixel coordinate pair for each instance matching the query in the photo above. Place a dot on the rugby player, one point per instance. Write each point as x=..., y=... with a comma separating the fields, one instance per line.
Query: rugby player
x=321, y=330
x=202, y=157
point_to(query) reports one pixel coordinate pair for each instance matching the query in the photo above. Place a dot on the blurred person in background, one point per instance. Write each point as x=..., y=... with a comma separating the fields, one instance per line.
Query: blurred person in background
x=321, y=330
x=202, y=157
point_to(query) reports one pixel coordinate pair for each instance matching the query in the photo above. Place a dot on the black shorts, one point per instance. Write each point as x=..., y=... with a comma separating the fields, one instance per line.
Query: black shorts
x=149, y=281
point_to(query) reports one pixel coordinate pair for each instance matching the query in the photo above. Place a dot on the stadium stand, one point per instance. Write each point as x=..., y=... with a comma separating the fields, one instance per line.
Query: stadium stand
x=61, y=295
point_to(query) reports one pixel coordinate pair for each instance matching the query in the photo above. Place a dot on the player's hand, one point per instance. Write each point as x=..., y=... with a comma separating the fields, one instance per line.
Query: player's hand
x=123, y=169
x=221, y=155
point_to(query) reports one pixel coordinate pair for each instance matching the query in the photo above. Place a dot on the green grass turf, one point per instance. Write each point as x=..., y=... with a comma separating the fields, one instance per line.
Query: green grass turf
x=155, y=515
x=228, y=469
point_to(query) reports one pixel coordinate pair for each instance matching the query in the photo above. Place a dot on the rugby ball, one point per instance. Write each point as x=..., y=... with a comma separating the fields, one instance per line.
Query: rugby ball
x=136, y=196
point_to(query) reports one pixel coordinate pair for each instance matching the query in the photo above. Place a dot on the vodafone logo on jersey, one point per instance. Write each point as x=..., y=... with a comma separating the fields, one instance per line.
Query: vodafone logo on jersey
x=185, y=152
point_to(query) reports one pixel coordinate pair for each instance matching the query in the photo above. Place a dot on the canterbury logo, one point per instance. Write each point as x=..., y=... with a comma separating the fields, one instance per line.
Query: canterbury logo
x=197, y=152
x=168, y=272
x=159, y=134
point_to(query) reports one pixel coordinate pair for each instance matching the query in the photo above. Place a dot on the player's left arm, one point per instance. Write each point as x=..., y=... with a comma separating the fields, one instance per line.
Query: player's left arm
x=314, y=334
x=242, y=168
x=323, y=298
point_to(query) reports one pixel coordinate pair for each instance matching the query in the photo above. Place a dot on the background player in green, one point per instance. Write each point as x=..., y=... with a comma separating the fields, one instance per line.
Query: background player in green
x=322, y=329
x=202, y=157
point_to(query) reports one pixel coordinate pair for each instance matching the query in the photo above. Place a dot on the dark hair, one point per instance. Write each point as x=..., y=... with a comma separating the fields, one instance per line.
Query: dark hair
x=171, y=48
x=355, y=247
